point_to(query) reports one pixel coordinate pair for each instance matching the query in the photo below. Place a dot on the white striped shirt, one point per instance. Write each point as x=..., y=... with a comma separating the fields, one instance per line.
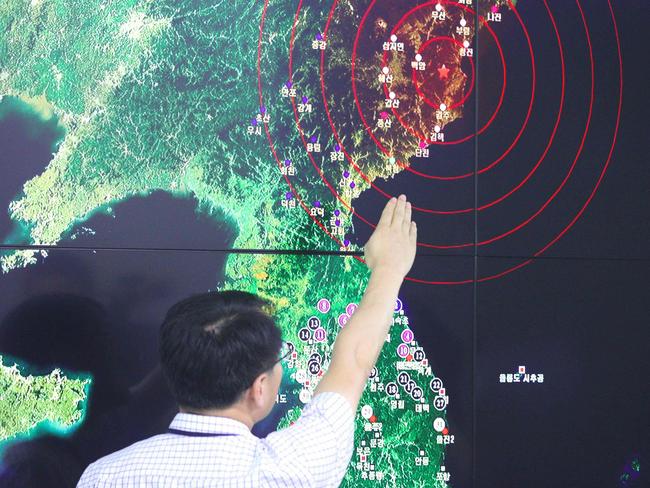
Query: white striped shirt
x=313, y=452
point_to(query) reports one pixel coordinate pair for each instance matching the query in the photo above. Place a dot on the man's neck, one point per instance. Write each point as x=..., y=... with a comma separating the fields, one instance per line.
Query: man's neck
x=234, y=413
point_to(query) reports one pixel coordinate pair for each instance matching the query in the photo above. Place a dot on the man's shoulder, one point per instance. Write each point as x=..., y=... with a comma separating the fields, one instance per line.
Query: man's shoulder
x=327, y=414
x=319, y=443
x=119, y=460
x=333, y=407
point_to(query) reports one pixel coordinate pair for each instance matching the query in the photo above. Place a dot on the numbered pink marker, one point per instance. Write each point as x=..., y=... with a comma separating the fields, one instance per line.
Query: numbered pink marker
x=407, y=335
x=320, y=334
x=398, y=305
x=403, y=350
x=323, y=305
x=350, y=308
x=343, y=319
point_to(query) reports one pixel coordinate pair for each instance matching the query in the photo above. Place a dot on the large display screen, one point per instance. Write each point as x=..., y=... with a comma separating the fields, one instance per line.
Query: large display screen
x=154, y=149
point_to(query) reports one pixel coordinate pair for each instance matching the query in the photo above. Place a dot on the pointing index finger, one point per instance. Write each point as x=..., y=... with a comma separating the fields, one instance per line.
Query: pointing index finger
x=400, y=208
x=387, y=214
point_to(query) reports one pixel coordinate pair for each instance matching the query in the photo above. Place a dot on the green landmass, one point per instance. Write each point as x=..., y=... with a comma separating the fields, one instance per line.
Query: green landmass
x=53, y=402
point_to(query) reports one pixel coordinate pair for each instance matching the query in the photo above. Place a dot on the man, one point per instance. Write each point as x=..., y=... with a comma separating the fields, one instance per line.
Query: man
x=221, y=353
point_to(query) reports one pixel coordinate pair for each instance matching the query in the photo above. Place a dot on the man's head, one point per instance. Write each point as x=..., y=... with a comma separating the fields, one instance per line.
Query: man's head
x=219, y=350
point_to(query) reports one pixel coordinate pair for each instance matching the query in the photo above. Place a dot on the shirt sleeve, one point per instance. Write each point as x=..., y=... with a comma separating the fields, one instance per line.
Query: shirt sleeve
x=320, y=442
x=86, y=480
x=89, y=478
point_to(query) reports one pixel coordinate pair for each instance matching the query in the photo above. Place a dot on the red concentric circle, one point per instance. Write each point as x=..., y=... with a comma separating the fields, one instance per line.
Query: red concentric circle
x=541, y=209
x=426, y=210
x=467, y=244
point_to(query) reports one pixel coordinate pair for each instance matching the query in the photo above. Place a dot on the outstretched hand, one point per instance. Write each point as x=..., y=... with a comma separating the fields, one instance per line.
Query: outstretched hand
x=392, y=245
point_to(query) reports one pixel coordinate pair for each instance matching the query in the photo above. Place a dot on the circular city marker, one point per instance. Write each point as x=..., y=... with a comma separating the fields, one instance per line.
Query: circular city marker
x=403, y=378
x=407, y=335
x=320, y=334
x=439, y=403
x=313, y=367
x=439, y=424
x=301, y=376
x=435, y=384
x=305, y=396
x=313, y=323
x=304, y=334
x=366, y=411
x=410, y=386
x=323, y=305
x=403, y=350
x=391, y=389
x=343, y=319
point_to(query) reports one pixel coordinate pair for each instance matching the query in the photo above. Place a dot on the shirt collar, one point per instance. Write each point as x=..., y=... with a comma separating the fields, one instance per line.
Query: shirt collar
x=191, y=422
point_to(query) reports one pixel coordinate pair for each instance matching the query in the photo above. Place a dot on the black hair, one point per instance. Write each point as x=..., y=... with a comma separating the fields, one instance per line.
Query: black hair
x=213, y=345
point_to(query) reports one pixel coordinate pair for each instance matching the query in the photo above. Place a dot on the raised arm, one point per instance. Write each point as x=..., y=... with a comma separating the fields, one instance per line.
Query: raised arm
x=389, y=253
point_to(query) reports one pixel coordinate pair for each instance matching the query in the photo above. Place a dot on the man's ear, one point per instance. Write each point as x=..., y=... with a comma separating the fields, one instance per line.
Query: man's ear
x=258, y=387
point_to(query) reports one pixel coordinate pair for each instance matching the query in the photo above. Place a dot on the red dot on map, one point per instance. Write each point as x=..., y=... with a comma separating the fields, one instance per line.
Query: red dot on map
x=409, y=357
x=373, y=419
x=445, y=431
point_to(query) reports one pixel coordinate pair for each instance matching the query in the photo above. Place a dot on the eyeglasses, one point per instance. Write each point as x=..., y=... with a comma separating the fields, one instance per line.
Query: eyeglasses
x=285, y=350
